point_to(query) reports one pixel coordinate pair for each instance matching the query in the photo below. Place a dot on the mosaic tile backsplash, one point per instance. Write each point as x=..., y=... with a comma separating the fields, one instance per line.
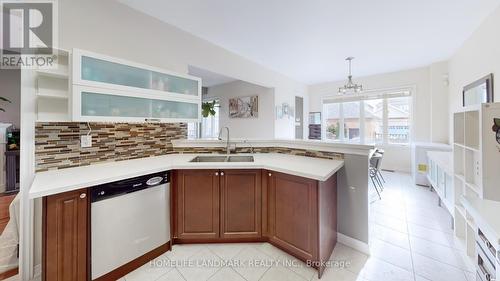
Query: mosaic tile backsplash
x=284, y=150
x=57, y=145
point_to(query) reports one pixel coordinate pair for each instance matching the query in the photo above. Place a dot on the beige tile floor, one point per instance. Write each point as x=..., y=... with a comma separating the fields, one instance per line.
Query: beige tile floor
x=411, y=239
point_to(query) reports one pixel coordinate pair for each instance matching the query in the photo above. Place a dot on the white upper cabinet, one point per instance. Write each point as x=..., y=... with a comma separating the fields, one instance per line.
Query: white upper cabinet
x=107, y=89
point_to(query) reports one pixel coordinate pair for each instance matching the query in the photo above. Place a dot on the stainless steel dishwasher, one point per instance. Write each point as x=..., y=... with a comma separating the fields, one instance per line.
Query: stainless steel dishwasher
x=128, y=219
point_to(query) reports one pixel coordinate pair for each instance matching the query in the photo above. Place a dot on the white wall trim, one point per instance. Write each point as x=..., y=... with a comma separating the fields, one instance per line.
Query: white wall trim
x=27, y=173
x=353, y=243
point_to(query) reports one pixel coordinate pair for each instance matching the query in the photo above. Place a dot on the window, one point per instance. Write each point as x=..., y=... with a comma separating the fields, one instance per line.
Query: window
x=398, y=121
x=374, y=121
x=372, y=118
x=192, y=131
x=333, y=121
x=351, y=114
x=209, y=126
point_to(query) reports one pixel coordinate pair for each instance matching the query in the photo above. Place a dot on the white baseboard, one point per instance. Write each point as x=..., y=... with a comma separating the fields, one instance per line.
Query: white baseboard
x=353, y=243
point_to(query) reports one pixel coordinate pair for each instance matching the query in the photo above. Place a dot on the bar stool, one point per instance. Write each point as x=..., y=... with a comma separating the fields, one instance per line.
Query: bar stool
x=380, y=151
x=374, y=171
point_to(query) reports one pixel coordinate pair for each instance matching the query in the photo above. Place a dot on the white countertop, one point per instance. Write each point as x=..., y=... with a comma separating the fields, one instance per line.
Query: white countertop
x=57, y=181
x=486, y=215
x=319, y=145
x=433, y=145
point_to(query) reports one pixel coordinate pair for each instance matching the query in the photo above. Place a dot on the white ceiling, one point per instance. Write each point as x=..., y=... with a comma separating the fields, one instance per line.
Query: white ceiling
x=308, y=40
x=209, y=78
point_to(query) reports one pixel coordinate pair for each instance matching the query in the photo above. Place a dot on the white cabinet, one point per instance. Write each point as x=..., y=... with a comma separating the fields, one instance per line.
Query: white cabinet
x=440, y=176
x=420, y=165
x=107, y=89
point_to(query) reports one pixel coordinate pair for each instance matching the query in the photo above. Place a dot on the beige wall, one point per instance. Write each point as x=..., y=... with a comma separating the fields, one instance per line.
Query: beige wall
x=110, y=28
x=439, y=96
x=478, y=57
x=248, y=128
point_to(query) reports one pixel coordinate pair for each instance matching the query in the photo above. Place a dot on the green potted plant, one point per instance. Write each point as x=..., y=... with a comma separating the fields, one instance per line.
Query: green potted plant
x=5, y=100
x=208, y=108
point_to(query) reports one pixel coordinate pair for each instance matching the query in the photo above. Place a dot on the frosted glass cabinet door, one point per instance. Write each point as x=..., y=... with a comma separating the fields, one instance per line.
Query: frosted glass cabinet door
x=448, y=191
x=441, y=178
x=109, y=105
x=113, y=73
x=169, y=83
x=174, y=109
x=114, y=106
x=433, y=171
x=98, y=70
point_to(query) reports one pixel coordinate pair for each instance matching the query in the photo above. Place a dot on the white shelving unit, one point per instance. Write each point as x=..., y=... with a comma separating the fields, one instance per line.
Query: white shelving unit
x=53, y=91
x=476, y=162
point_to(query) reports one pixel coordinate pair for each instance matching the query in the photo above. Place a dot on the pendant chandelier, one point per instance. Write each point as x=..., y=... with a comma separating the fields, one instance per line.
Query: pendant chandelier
x=350, y=86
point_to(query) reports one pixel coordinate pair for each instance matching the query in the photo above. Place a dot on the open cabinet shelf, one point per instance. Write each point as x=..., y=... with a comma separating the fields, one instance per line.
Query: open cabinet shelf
x=471, y=129
x=458, y=128
x=51, y=87
x=458, y=160
x=53, y=91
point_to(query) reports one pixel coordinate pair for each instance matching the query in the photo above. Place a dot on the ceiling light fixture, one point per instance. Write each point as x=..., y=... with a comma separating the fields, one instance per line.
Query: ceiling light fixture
x=350, y=86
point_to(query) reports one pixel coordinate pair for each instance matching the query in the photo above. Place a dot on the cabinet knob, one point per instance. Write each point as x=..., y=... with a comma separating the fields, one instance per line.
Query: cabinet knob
x=83, y=195
x=269, y=174
x=221, y=173
x=216, y=174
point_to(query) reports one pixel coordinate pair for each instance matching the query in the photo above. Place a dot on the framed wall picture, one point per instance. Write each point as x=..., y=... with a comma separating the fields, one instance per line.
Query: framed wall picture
x=481, y=91
x=244, y=107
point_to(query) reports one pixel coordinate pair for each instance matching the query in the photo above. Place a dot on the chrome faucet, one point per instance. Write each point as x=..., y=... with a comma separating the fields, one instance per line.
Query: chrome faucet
x=228, y=149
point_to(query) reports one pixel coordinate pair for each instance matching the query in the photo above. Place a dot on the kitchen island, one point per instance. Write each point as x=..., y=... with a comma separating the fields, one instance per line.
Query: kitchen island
x=287, y=200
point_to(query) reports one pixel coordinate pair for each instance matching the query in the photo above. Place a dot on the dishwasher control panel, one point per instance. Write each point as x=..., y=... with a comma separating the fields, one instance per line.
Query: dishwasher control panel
x=117, y=188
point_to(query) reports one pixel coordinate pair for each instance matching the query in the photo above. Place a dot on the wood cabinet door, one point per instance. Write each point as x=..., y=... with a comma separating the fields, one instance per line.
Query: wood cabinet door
x=241, y=204
x=197, y=193
x=66, y=236
x=293, y=214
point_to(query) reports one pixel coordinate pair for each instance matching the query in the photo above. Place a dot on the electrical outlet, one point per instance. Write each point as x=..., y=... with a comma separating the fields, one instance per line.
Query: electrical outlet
x=86, y=141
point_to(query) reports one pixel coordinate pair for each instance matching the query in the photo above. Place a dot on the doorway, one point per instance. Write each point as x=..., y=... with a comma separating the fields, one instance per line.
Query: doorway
x=10, y=119
x=299, y=117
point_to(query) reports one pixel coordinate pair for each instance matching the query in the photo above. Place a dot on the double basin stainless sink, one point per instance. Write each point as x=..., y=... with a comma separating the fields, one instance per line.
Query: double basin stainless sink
x=206, y=159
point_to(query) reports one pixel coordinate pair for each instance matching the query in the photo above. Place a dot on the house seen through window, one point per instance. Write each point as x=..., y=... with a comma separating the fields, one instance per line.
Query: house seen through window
x=369, y=118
